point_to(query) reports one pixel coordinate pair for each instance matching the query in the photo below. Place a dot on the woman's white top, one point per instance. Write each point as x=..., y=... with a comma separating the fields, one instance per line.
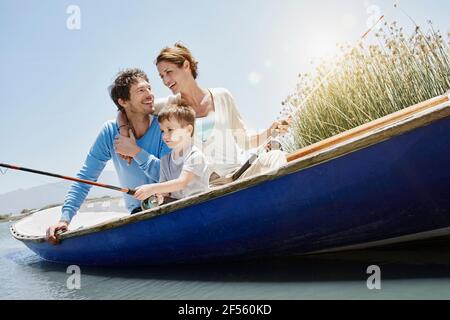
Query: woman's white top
x=228, y=137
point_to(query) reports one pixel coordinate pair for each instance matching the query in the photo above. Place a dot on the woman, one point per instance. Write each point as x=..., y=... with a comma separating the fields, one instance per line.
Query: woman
x=220, y=130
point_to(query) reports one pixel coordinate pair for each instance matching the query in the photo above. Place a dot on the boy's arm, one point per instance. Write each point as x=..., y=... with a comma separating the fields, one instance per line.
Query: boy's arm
x=145, y=191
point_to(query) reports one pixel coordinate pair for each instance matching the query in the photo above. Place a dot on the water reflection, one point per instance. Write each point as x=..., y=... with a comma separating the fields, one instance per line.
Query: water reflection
x=408, y=271
x=418, y=260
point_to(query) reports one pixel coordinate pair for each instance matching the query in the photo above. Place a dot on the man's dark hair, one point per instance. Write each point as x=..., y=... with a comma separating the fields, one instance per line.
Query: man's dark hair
x=120, y=89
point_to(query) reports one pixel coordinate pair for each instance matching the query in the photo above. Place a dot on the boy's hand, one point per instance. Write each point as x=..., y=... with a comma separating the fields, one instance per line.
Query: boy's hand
x=144, y=192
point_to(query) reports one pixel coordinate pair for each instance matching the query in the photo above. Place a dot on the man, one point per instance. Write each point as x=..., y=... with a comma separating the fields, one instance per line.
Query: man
x=132, y=94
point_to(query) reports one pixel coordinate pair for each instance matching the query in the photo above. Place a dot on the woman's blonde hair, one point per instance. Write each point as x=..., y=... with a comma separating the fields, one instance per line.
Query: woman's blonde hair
x=177, y=55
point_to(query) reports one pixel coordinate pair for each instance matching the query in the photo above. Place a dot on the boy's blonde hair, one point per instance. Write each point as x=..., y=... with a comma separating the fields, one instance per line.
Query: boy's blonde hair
x=181, y=112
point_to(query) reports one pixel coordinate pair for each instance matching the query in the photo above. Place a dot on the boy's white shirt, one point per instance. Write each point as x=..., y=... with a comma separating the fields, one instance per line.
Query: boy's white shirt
x=192, y=161
x=224, y=148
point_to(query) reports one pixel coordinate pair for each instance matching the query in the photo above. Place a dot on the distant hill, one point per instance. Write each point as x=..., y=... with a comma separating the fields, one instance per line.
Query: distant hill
x=37, y=197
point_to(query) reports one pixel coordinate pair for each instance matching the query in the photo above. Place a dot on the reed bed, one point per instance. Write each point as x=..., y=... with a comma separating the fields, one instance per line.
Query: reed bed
x=367, y=82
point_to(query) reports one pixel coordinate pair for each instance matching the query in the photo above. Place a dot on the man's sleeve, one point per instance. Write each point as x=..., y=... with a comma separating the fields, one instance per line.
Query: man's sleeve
x=93, y=166
x=149, y=165
x=162, y=173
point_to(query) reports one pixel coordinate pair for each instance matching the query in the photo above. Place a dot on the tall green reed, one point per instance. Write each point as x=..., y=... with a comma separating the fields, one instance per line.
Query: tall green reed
x=367, y=82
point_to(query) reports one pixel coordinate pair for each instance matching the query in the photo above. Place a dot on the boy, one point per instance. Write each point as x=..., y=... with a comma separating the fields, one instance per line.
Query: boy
x=184, y=171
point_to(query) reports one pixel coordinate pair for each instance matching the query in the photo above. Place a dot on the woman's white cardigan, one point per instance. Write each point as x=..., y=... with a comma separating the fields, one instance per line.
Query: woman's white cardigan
x=224, y=147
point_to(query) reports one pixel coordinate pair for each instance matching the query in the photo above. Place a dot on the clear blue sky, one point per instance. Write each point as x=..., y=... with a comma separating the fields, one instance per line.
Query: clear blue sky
x=54, y=81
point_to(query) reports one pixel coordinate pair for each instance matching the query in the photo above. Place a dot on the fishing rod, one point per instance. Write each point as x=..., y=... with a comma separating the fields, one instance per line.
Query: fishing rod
x=291, y=115
x=92, y=183
x=292, y=111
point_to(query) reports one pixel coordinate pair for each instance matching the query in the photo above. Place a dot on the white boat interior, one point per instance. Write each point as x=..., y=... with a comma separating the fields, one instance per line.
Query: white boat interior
x=90, y=214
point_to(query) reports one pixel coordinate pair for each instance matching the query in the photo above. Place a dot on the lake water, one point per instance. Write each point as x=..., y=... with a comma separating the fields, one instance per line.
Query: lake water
x=409, y=272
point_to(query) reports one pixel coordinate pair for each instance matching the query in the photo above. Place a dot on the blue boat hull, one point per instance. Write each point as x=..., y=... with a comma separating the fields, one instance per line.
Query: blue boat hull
x=394, y=188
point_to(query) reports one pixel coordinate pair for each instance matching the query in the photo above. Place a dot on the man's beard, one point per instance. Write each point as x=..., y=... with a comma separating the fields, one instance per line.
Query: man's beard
x=143, y=109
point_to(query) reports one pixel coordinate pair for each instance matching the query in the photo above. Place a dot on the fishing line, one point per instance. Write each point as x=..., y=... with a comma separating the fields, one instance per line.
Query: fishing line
x=295, y=109
x=291, y=111
x=397, y=6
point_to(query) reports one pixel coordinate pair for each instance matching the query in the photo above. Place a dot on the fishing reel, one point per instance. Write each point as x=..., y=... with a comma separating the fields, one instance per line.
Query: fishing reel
x=274, y=144
x=152, y=202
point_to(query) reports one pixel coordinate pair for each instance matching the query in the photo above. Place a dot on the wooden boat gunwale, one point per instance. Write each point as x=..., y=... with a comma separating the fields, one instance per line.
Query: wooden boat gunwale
x=350, y=141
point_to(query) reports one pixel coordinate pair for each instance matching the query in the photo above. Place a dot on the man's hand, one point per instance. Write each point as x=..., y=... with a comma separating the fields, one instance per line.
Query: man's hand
x=145, y=191
x=127, y=146
x=124, y=131
x=53, y=230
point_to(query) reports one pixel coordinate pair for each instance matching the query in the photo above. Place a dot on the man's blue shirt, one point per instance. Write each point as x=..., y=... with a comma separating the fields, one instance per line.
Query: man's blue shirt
x=144, y=169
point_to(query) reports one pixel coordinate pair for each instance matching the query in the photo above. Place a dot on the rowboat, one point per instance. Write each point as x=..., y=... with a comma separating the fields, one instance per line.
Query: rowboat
x=385, y=182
